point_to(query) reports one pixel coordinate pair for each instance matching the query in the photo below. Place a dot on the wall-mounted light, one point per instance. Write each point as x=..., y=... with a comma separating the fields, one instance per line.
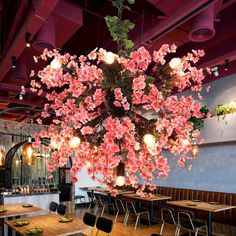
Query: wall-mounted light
x=21, y=96
x=13, y=62
x=215, y=71
x=226, y=64
x=27, y=39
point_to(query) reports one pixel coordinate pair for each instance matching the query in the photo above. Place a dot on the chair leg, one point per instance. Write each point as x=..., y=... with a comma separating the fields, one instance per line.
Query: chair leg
x=97, y=232
x=117, y=213
x=162, y=227
x=95, y=210
x=196, y=232
x=136, y=223
x=127, y=218
x=178, y=230
x=103, y=208
x=124, y=222
x=149, y=219
x=114, y=209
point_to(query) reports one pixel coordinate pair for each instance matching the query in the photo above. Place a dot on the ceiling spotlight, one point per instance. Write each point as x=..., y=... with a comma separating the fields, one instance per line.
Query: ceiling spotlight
x=21, y=96
x=226, y=64
x=27, y=39
x=215, y=71
x=13, y=62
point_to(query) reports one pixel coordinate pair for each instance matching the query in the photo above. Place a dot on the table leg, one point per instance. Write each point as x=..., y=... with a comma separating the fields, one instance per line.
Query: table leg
x=209, y=224
x=152, y=213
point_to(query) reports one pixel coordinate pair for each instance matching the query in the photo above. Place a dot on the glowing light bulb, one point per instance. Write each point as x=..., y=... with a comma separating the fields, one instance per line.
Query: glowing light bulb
x=17, y=162
x=55, y=64
x=29, y=151
x=185, y=142
x=53, y=143
x=194, y=151
x=175, y=63
x=120, y=180
x=149, y=140
x=74, y=142
x=88, y=164
x=109, y=58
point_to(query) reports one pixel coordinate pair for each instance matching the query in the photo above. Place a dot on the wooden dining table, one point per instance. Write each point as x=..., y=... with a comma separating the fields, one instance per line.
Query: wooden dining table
x=105, y=190
x=209, y=207
x=15, y=210
x=50, y=225
x=150, y=199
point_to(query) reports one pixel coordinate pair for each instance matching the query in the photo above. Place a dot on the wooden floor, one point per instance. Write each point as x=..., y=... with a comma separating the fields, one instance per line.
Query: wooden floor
x=120, y=230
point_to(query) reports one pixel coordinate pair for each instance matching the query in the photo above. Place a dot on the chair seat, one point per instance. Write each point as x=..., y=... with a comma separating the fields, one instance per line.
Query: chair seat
x=197, y=224
x=79, y=197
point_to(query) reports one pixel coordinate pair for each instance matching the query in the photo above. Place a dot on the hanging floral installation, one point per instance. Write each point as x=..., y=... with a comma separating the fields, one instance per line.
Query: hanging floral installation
x=101, y=103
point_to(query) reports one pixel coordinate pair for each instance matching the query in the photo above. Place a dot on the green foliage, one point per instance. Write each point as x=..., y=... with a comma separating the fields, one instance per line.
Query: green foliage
x=199, y=122
x=119, y=29
x=224, y=109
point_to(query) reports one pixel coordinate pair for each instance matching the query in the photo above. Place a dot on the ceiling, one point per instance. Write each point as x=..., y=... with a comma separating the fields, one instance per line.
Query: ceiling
x=78, y=26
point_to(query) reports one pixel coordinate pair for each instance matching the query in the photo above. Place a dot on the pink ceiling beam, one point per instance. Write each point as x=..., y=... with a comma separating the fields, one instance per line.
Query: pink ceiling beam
x=21, y=102
x=36, y=18
x=183, y=14
x=17, y=19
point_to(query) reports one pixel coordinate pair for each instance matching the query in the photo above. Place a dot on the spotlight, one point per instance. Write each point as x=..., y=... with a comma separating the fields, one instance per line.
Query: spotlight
x=215, y=71
x=27, y=39
x=13, y=62
x=21, y=96
x=226, y=64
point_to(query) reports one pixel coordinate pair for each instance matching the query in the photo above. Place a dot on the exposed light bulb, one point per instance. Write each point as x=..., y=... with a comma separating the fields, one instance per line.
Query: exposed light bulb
x=17, y=162
x=27, y=39
x=88, y=164
x=175, y=63
x=20, y=96
x=74, y=142
x=149, y=140
x=185, y=142
x=55, y=64
x=194, y=151
x=109, y=58
x=120, y=180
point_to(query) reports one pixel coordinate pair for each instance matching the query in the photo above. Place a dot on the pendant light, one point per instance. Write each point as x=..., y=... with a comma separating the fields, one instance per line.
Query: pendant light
x=28, y=153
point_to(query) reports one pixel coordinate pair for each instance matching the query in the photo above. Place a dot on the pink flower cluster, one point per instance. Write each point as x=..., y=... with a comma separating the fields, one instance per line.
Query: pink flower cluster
x=77, y=98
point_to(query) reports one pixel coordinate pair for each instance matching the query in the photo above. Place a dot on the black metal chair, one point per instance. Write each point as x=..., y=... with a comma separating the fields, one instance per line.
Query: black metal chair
x=186, y=220
x=104, y=224
x=92, y=200
x=167, y=217
x=130, y=208
x=100, y=203
x=120, y=208
x=61, y=209
x=90, y=220
x=53, y=207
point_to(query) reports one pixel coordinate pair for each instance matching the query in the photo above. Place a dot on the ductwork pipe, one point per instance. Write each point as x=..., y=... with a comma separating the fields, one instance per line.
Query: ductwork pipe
x=203, y=25
x=45, y=37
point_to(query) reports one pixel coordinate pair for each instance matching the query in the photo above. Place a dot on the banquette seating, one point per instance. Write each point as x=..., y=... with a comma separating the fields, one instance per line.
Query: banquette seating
x=224, y=217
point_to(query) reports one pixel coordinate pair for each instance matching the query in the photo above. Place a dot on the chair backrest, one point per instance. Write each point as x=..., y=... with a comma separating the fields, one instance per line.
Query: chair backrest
x=53, y=206
x=130, y=207
x=89, y=219
x=119, y=205
x=167, y=215
x=104, y=224
x=61, y=209
x=98, y=199
x=185, y=217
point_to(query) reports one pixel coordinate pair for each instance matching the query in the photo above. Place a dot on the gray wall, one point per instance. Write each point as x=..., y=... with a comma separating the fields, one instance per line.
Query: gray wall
x=215, y=168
